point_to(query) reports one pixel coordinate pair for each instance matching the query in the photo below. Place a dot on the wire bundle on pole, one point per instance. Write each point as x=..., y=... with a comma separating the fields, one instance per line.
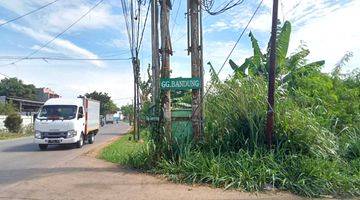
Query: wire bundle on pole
x=132, y=12
x=209, y=4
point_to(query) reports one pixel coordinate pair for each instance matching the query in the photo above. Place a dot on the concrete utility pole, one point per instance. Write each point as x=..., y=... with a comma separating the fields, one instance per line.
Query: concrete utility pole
x=135, y=63
x=166, y=51
x=271, y=86
x=155, y=53
x=195, y=49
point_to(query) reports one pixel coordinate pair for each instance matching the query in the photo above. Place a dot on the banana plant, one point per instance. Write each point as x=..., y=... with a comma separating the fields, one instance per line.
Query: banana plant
x=287, y=68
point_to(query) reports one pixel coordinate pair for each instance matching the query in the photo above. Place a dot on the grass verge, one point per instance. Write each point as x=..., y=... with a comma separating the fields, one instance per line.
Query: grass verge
x=24, y=132
x=6, y=135
x=123, y=150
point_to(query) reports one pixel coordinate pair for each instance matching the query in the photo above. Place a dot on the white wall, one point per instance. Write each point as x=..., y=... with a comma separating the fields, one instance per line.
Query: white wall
x=27, y=120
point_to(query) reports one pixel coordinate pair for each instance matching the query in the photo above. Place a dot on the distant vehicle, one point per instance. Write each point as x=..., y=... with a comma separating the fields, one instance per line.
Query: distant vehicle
x=109, y=118
x=102, y=120
x=67, y=121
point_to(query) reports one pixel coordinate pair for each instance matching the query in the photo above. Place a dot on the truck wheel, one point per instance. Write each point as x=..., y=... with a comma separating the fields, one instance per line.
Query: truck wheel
x=80, y=143
x=91, y=138
x=43, y=146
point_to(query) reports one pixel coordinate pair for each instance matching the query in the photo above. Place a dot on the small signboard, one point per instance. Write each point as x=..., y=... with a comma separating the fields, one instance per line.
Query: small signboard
x=180, y=83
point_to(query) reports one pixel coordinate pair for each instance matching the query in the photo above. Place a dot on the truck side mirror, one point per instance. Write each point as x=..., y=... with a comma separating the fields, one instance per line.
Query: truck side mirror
x=80, y=115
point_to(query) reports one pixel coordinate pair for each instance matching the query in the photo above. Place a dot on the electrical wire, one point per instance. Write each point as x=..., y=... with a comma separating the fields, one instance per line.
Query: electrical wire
x=208, y=6
x=227, y=57
x=143, y=29
x=26, y=14
x=239, y=38
x=176, y=15
x=6, y=76
x=59, y=58
x=58, y=35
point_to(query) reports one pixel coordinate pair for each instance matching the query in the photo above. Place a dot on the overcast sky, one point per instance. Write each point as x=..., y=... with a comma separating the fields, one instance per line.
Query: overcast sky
x=329, y=28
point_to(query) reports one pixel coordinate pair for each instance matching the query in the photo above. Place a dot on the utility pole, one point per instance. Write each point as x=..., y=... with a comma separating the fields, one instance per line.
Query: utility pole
x=166, y=51
x=155, y=54
x=271, y=86
x=195, y=48
x=135, y=63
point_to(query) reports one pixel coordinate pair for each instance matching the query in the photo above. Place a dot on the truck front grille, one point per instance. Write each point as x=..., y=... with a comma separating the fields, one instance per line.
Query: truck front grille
x=53, y=135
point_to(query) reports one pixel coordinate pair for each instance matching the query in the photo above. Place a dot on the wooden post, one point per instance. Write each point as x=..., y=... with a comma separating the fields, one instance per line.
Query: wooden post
x=166, y=51
x=271, y=86
x=196, y=66
x=155, y=54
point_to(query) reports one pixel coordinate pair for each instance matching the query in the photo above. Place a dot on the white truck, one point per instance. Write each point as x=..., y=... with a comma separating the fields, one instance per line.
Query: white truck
x=67, y=121
x=109, y=118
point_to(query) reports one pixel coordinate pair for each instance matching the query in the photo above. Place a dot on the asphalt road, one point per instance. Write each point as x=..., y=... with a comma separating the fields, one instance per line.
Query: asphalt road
x=21, y=159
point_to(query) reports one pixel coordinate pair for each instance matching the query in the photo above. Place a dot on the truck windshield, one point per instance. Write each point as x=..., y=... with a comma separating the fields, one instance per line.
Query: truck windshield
x=60, y=112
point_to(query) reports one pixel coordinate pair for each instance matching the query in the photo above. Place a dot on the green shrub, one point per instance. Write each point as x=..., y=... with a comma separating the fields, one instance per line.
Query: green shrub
x=311, y=177
x=298, y=132
x=235, y=115
x=13, y=122
x=349, y=142
x=7, y=108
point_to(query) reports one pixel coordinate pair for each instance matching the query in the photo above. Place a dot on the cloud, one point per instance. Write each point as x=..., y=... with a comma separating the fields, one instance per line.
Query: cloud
x=326, y=26
x=45, y=49
x=62, y=46
x=61, y=14
x=99, y=18
x=329, y=37
x=120, y=43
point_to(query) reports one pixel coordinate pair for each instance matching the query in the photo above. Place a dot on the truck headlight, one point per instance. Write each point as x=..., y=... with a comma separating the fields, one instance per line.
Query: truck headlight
x=71, y=133
x=37, y=134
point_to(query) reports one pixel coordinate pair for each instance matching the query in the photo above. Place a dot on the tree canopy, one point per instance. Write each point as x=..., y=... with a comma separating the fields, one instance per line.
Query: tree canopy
x=107, y=106
x=14, y=87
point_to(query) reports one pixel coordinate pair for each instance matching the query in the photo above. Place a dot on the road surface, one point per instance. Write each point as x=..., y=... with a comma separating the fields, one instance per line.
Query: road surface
x=21, y=159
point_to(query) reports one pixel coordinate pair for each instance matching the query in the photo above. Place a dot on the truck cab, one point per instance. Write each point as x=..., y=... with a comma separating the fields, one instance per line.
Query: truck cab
x=67, y=121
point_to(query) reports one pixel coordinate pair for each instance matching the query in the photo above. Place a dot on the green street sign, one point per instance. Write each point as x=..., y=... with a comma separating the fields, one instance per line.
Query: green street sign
x=180, y=83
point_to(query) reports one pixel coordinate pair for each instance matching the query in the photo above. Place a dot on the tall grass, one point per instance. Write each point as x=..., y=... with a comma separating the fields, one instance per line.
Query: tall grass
x=309, y=158
x=235, y=115
x=255, y=171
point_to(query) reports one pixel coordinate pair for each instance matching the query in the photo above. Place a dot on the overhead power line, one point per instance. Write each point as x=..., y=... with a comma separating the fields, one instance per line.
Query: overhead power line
x=55, y=37
x=143, y=29
x=239, y=38
x=6, y=76
x=208, y=6
x=230, y=53
x=57, y=58
x=26, y=14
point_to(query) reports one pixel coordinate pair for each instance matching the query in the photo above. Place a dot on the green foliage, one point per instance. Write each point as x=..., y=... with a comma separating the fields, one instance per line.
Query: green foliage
x=236, y=115
x=13, y=122
x=129, y=152
x=145, y=86
x=128, y=111
x=316, y=148
x=14, y=87
x=282, y=46
x=7, y=108
x=107, y=106
x=254, y=171
x=349, y=142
